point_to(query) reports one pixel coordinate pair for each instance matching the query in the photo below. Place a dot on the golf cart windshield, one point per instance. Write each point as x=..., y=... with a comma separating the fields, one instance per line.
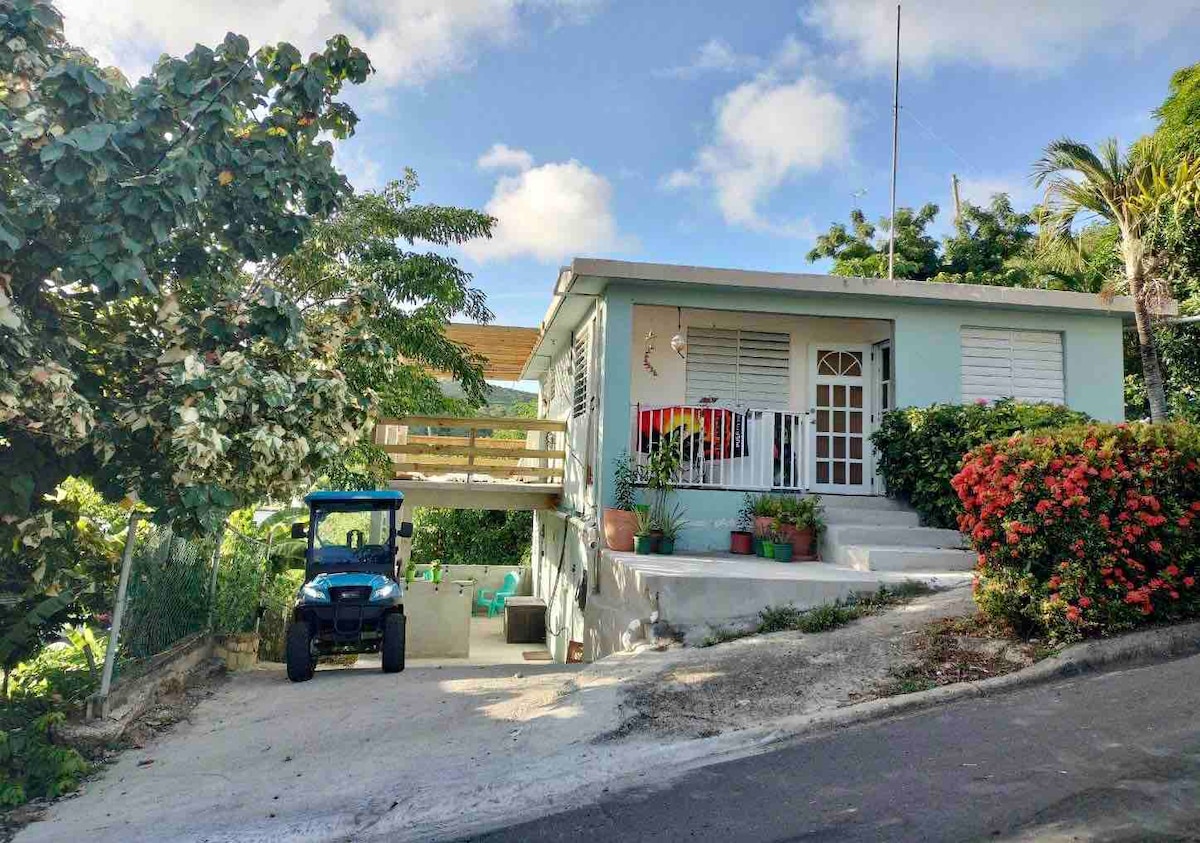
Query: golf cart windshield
x=350, y=533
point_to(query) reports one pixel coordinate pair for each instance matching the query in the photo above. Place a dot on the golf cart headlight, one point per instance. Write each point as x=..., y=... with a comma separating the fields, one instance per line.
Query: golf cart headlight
x=310, y=592
x=387, y=591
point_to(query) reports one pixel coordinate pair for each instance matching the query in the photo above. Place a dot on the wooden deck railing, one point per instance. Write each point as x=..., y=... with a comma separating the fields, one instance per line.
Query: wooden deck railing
x=451, y=453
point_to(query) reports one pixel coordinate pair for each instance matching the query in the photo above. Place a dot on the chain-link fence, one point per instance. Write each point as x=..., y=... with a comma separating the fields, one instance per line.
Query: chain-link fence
x=175, y=588
x=167, y=599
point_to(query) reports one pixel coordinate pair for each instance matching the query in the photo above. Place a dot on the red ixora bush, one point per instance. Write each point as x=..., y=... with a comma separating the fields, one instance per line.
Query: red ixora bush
x=1085, y=530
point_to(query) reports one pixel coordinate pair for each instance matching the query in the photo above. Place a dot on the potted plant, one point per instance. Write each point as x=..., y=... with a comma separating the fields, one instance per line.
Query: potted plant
x=641, y=537
x=801, y=524
x=781, y=545
x=620, y=521
x=741, y=540
x=671, y=524
x=763, y=509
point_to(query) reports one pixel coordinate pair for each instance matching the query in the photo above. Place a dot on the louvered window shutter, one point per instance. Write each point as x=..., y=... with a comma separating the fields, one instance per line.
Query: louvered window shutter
x=743, y=368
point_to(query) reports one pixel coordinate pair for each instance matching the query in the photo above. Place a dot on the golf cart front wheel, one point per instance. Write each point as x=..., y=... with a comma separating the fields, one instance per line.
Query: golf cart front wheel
x=301, y=664
x=392, y=651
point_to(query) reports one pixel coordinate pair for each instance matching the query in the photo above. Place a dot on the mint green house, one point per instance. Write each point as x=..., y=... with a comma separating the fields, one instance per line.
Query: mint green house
x=775, y=381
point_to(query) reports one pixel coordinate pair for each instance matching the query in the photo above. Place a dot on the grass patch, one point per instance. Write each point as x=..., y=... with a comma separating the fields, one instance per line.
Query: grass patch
x=823, y=618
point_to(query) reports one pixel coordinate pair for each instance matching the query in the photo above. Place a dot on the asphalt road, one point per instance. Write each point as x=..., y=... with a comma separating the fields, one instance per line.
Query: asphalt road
x=1114, y=756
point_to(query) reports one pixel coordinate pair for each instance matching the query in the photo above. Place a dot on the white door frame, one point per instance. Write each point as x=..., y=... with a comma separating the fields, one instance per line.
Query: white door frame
x=865, y=381
x=877, y=407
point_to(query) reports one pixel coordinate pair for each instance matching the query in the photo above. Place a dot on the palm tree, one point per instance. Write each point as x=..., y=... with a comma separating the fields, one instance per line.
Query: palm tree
x=1128, y=190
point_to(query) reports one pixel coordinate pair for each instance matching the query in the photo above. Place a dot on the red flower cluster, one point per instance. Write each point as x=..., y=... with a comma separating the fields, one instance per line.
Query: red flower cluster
x=1085, y=529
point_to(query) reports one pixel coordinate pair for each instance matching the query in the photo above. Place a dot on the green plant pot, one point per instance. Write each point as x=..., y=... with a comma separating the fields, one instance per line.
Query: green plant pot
x=666, y=546
x=768, y=550
x=781, y=552
x=641, y=544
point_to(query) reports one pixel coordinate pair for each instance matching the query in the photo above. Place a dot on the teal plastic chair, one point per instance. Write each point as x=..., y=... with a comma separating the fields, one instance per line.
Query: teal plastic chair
x=493, y=601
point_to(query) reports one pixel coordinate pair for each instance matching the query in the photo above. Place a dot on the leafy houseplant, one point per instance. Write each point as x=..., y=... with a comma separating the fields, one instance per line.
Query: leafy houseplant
x=781, y=545
x=800, y=523
x=641, y=539
x=763, y=509
x=671, y=523
x=620, y=522
x=741, y=540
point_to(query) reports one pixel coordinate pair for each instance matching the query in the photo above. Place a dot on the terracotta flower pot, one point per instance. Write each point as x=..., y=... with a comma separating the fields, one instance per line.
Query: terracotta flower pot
x=801, y=540
x=619, y=527
x=741, y=542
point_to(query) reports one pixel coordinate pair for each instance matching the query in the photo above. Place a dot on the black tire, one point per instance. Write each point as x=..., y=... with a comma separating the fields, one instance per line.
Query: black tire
x=301, y=664
x=392, y=651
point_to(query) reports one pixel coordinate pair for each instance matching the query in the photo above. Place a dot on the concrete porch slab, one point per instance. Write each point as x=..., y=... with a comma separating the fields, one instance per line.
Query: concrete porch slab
x=712, y=588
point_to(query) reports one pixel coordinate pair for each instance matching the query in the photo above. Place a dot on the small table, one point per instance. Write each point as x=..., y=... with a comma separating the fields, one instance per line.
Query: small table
x=525, y=620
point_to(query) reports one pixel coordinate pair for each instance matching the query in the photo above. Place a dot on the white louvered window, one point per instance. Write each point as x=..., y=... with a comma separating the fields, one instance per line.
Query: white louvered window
x=1004, y=363
x=579, y=373
x=745, y=368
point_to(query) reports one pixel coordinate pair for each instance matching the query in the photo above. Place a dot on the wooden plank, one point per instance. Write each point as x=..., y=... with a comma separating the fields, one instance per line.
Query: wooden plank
x=484, y=444
x=492, y=470
x=477, y=423
x=468, y=450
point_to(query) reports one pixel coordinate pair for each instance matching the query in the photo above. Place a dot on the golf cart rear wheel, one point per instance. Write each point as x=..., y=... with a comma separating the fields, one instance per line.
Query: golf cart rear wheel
x=301, y=663
x=392, y=651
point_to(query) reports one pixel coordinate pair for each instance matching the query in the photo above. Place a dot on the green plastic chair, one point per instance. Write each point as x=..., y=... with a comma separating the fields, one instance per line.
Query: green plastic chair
x=493, y=601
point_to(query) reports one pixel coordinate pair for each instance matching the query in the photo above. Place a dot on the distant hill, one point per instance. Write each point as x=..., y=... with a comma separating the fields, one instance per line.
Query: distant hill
x=498, y=396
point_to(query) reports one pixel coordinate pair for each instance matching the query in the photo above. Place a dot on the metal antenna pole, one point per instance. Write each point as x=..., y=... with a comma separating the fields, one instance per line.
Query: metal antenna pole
x=895, y=153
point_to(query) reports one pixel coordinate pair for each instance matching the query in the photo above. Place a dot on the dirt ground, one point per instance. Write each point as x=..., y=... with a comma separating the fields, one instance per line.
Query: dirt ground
x=753, y=681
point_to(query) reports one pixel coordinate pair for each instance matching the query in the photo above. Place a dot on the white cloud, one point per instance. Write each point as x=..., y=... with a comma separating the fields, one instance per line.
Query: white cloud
x=504, y=157
x=1006, y=34
x=680, y=180
x=363, y=171
x=979, y=190
x=550, y=212
x=409, y=41
x=768, y=132
x=714, y=55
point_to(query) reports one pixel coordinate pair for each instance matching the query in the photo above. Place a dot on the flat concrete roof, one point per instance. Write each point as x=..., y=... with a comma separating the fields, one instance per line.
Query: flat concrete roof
x=579, y=284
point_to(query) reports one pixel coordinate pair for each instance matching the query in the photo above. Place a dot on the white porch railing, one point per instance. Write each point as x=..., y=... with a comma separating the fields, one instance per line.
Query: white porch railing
x=726, y=448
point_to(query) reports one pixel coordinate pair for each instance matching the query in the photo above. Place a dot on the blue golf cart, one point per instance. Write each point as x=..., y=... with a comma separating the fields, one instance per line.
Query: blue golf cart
x=352, y=600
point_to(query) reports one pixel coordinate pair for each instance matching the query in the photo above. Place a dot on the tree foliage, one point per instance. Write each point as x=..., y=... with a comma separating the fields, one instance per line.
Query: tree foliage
x=862, y=251
x=194, y=309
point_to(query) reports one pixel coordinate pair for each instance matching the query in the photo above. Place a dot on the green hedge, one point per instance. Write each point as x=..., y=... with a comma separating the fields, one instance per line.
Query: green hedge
x=918, y=450
x=1087, y=530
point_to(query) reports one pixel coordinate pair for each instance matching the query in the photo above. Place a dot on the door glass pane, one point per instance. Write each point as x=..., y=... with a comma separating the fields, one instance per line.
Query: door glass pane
x=856, y=396
x=856, y=422
x=856, y=448
x=827, y=363
x=822, y=471
x=822, y=395
x=839, y=473
x=839, y=422
x=839, y=396
x=887, y=362
x=853, y=364
x=856, y=473
x=886, y=397
x=823, y=421
x=822, y=446
x=839, y=447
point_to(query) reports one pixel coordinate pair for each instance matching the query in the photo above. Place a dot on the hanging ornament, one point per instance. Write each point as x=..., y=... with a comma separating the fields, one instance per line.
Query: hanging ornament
x=646, y=352
x=678, y=344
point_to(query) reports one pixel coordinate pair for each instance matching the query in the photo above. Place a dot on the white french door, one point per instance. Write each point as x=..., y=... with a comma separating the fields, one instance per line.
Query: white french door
x=839, y=379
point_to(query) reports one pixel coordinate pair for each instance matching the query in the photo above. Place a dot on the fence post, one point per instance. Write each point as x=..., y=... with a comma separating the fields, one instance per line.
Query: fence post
x=114, y=634
x=212, y=585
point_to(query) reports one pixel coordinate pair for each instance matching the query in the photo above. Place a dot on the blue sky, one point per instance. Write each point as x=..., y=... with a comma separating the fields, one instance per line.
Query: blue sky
x=695, y=131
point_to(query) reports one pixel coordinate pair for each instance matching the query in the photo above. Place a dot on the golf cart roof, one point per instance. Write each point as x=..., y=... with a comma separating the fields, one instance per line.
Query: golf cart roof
x=383, y=496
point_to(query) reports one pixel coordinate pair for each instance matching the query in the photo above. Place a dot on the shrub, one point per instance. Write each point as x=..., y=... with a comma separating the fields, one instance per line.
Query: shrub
x=471, y=536
x=918, y=450
x=1086, y=530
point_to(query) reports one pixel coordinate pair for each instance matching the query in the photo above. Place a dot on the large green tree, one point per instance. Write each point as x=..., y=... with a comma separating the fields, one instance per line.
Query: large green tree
x=861, y=251
x=155, y=336
x=1129, y=190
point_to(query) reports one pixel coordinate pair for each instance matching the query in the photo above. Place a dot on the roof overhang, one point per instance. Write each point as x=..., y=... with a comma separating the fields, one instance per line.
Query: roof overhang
x=506, y=348
x=580, y=284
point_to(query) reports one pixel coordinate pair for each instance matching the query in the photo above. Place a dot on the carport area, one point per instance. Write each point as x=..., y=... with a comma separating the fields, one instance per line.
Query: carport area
x=488, y=647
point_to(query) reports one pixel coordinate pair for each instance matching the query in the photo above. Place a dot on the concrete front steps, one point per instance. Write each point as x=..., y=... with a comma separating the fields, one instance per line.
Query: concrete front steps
x=881, y=534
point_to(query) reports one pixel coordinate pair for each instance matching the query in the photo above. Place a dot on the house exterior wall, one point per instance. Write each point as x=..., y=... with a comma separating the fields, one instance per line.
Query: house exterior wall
x=669, y=386
x=926, y=354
